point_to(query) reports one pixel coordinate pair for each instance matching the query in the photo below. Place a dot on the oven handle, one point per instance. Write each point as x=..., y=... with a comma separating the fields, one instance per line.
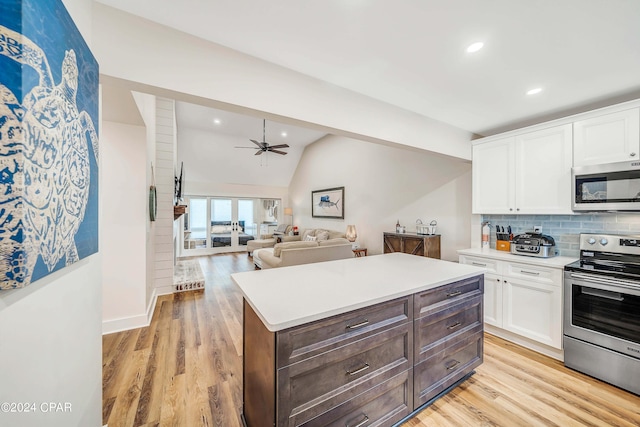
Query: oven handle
x=604, y=281
x=603, y=294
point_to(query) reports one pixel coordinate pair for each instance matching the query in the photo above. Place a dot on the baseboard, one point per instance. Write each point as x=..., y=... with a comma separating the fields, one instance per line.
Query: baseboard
x=525, y=342
x=132, y=322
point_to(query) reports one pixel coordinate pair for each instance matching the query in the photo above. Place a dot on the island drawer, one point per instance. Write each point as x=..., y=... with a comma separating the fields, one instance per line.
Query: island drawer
x=435, y=374
x=309, y=388
x=437, y=331
x=299, y=343
x=383, y=405
x=433, y=300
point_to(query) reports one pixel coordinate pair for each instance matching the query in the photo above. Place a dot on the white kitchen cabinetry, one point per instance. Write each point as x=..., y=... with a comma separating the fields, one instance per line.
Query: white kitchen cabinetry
x=523, y=299
x=528, y=173
x=607, y=138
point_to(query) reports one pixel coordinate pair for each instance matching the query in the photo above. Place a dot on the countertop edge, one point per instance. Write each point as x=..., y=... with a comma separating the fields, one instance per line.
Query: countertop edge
x=552, y=262
x=345, y=309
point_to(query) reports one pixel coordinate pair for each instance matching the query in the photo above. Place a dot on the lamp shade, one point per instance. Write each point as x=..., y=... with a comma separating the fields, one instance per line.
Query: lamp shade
x=288, y=211
x=351, y=233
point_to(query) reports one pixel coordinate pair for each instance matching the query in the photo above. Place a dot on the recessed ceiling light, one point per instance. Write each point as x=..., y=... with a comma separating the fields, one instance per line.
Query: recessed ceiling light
x=475, y=47
x=283, y=133
x=217, y=121
x=534, y=91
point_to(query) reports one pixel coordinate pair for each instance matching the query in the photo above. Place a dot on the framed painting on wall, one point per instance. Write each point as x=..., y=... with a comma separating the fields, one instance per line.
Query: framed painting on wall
x=49, y=133
x=328, y=203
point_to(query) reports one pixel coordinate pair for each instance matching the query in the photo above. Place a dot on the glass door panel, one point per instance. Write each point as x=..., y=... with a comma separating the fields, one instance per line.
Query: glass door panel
x=195, y=233
x=247, y=228
x=222, y=229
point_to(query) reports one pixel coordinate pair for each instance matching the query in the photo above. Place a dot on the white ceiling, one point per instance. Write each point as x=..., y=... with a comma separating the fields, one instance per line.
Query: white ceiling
x=411, y=53
x=213, y=156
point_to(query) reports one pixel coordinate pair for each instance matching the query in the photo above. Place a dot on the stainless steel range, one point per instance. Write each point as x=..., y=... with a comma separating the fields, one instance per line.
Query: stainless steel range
x=602, y=310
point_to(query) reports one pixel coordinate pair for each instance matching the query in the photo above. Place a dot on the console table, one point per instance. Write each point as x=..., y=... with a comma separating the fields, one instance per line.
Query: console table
x=427, y=245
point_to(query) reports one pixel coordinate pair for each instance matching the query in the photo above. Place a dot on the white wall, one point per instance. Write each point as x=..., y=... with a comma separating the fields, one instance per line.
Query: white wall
x=124, y=216
x=382, y=185
x=50, y=340
x=147, y=108
x=154, y=55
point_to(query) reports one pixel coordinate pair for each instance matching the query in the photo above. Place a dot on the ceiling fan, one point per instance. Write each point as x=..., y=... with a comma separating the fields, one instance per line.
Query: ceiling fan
x=263, y=146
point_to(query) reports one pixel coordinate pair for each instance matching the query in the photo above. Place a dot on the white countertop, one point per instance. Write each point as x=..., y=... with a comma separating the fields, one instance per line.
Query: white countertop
x=553, y=262
x=291, y=296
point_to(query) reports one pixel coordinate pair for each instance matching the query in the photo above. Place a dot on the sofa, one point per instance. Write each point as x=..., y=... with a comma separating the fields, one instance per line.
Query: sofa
x=302, y=252
x=283, y=236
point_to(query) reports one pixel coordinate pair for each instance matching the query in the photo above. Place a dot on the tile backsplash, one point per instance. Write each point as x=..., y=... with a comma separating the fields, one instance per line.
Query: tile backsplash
x=566, y=229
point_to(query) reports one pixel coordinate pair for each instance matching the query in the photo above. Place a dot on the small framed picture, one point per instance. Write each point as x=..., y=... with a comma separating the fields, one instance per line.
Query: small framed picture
x=328, y=203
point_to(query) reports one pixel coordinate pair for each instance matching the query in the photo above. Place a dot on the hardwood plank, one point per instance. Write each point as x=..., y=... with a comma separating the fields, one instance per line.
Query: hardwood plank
x=185, y=369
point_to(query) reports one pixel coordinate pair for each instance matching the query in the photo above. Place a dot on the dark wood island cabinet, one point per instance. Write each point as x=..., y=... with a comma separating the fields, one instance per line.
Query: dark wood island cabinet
x=427, y=245
x=376, y=365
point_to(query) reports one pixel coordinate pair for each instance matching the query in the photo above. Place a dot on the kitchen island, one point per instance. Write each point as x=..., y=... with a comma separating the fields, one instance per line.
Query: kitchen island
x=359, y=341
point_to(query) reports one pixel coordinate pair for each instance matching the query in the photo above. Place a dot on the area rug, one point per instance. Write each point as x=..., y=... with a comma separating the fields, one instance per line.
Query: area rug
x=187, y=276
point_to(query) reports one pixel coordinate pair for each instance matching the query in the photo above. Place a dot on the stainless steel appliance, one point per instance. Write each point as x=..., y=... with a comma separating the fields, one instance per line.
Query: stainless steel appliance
x=602, y=310
x=607, y=187
x=533, y=244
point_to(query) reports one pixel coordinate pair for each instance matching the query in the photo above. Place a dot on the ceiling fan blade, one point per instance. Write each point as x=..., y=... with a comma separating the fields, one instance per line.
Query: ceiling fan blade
x=259, y=144
x=253, y=148
x=279, y=146
x=278, y=152
x=258, y=152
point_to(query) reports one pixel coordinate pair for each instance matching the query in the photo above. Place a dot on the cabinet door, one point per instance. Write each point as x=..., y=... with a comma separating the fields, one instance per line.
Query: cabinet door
x=608, y=138
x=493, y=300
x=533, y=310
x=392, y=243
x=493, y=177
x=543, y=171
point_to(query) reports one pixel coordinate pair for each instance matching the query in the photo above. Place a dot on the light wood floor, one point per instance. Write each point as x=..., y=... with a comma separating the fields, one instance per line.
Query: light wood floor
x=185, y=369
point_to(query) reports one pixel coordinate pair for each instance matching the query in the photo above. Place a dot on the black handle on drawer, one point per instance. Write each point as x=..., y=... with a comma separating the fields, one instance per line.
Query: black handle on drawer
x=358, y=325
x=360, y=424
x=357, y=371
x=453, y=294
x=455, y=325
x=455, y=363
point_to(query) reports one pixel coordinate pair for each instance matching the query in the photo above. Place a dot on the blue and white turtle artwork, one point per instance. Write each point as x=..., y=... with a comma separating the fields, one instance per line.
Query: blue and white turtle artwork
x=48, y=142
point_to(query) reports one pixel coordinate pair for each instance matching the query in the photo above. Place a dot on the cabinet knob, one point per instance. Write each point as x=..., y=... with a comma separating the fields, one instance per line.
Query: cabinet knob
x=518, y=209
x=632, y=154
x=511, y=209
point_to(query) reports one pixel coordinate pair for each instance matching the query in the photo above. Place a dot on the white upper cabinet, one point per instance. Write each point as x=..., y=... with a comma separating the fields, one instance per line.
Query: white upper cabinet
x=543, y=169
x=525, y=174
x=608, y=138
x=493, y=176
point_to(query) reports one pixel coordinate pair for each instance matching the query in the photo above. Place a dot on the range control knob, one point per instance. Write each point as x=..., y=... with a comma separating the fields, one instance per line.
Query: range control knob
x=591, y=241
x=604, y=242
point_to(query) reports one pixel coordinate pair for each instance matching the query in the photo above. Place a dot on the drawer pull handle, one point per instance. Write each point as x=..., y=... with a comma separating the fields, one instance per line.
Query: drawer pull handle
x=358, y=325
x=360, y=424
x=455, y=325
x=533, y=273
x=455, y=363
x=453, y=294
x=479, y=264
x=357, y=371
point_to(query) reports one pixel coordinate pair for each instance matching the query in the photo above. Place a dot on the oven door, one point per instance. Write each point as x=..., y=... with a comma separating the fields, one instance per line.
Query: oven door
x=602, y=311
x=609, y=187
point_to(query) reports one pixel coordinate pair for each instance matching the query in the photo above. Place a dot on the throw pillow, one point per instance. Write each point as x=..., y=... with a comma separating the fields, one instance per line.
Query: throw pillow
x=217, y=229
x=307, y=232
x=310, y=238
x=322, y=235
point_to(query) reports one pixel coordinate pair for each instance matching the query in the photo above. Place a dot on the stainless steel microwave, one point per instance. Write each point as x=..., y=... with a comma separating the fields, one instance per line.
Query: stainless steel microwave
x=606, y=187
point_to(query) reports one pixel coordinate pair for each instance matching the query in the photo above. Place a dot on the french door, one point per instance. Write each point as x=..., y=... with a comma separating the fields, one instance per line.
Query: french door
x=218, y=224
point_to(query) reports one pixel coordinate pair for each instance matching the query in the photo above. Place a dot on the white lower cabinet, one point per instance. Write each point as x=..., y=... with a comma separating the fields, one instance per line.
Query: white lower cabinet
x=524, y=299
